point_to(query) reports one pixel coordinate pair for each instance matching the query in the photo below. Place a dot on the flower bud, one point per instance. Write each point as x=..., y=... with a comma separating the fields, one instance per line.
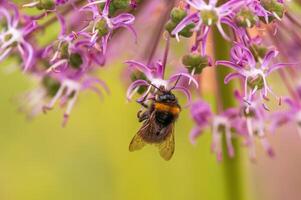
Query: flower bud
x=195, y=63
x=177, y=14
x=246, y=18
x=273, y=6
x=121, y=4
x=46, y=5
x=75, y=60
x=51, y=85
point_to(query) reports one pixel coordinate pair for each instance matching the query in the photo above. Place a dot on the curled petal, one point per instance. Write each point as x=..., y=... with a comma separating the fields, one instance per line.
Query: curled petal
x=197, y=4
x=94, y=3
x=131, y=29
x=194, y=134
x=29, y=55
x=280, y=65
x=185, y=91
x=229, y=64
x=187, y=20
x=175, y=77
x=222, y=32
x=124, y=18
x=106, y=9
x=140, y=66
x=230, y=76
x=133, y=86
x=268, y=57
x=89, y=83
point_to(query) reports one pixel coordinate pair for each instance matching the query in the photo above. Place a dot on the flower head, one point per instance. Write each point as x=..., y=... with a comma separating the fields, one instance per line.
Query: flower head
x=254, y=73
x=208, y=15
x=14, y=35
x=103, y=24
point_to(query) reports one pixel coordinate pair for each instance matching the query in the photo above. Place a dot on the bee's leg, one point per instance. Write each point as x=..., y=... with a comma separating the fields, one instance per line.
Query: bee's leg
x=142, y=115
x=142, y=103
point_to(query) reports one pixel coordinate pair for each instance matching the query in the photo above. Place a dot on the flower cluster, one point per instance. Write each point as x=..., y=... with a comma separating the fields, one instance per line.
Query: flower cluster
x=252, y=59
x=264, y=36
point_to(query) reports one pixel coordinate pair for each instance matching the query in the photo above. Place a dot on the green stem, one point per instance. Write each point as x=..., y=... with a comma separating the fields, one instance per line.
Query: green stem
x=232, y=167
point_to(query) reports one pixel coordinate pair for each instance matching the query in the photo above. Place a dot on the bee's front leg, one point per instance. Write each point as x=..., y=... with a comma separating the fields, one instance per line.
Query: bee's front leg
x=142, y=115
x=142, y=103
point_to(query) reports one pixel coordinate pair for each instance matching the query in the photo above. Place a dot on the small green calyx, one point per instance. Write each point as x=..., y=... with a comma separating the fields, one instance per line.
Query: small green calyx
x=176, y=16
x=209, y=17
x=46, y=5
x=102, y=28
x=51, y=85
x=195, y=63
x=137, y=75
x=273, y=6
x=75, y=60
x=246, y=18
x=256, y=82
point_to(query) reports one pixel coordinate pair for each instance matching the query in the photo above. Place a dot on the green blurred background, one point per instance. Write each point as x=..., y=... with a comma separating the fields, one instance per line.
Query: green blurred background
x=89, y=159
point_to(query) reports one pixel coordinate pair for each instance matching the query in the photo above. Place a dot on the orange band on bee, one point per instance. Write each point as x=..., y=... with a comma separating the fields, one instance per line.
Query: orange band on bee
x=167, y=108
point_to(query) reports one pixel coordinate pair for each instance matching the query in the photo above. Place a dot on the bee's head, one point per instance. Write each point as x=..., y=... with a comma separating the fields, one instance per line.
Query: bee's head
x=166, y=97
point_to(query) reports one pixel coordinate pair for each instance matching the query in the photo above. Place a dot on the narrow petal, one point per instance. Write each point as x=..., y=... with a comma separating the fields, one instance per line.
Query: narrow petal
x=124, y=18
x=279, y=66
x=231, y=76
x=185, y=91
x=134, y=85
x=194, y=134
x=268, y=57
x=187, y=20
x=175, y=77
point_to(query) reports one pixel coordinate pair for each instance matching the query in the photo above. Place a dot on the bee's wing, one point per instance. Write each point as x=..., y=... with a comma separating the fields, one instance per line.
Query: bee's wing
x=167, y=147
x=137, y=142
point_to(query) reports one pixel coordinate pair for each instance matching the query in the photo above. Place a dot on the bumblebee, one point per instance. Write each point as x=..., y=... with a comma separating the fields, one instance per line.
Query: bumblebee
x=158, y=123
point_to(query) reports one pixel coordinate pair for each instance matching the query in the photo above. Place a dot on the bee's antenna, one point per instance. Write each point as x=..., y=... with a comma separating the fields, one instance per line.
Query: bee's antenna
x=156, y=87
x=176, y=83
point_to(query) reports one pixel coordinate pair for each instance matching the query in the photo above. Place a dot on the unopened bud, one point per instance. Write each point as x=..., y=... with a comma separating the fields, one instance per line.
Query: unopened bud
x=273, y=6
x=46, y=5
x=177, y=14
x=246, y=18
x=195, y=63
